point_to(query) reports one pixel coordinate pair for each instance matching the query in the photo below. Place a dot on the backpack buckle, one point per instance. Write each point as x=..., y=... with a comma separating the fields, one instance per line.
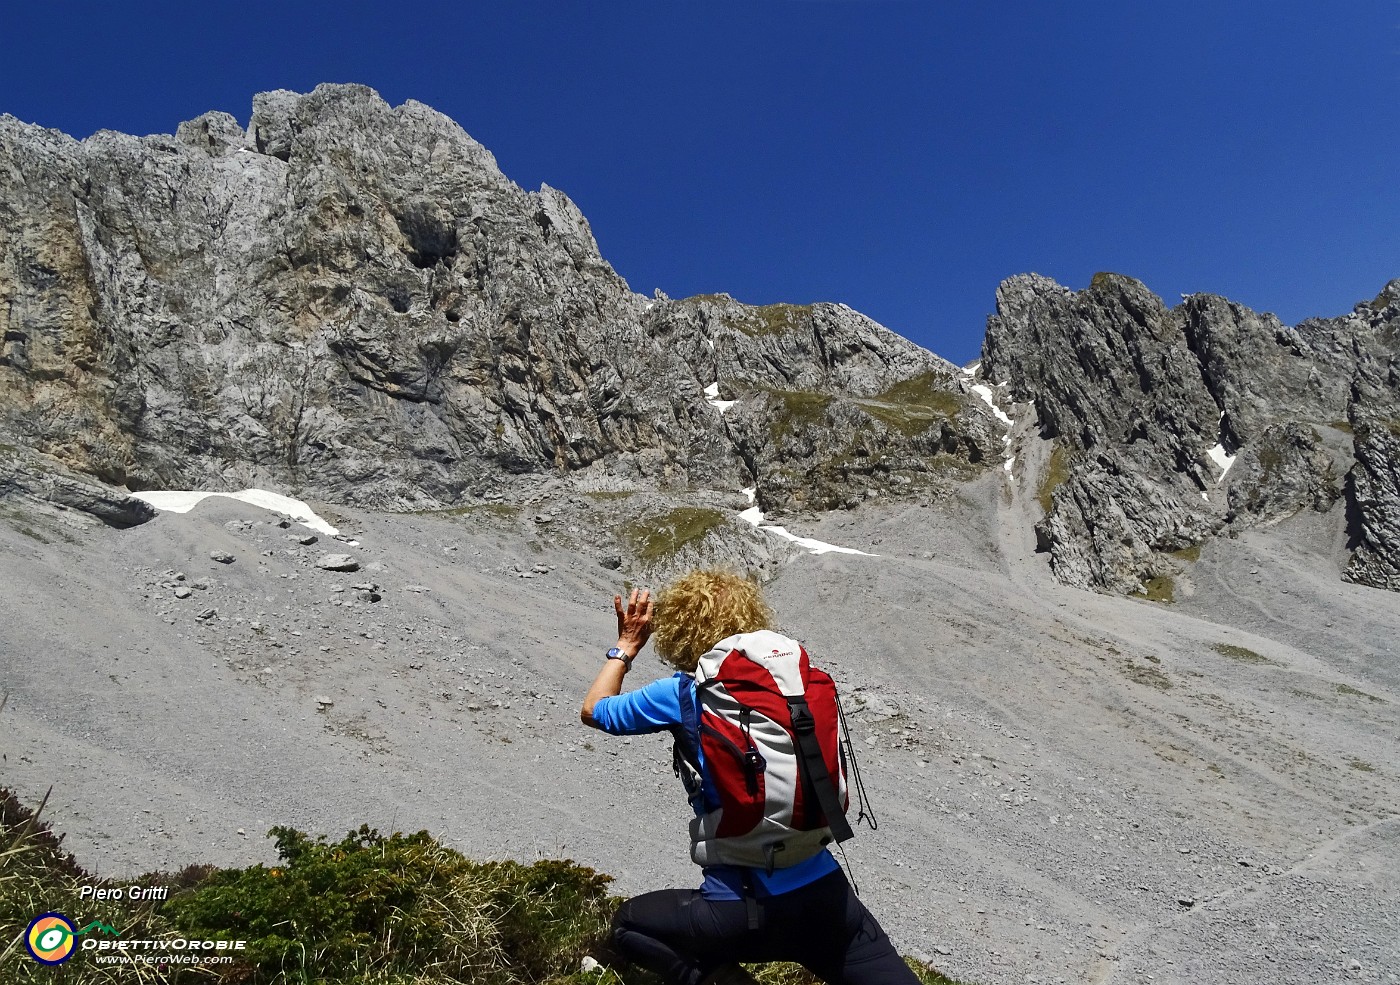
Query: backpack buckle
x=754, y=760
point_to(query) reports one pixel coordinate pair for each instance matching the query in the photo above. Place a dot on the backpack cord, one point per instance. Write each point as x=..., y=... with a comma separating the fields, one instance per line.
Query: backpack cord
x=865, y=812
x=850, y=872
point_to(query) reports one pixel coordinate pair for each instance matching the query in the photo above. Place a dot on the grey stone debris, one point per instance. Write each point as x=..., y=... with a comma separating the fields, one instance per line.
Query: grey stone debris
x=207, y=614
x=223, y=557
x=323, y=702
x=181, y=592
x=338, y=562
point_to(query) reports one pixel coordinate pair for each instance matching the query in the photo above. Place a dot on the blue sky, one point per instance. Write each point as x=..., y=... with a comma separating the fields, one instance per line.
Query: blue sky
x=901, y=156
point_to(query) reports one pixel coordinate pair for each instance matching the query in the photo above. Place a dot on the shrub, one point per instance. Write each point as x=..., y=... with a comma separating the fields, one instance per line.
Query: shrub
x=401, y=905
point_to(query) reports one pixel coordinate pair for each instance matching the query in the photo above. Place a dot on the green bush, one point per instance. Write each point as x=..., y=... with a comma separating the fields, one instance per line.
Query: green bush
x=365, y=910
x=401, y=905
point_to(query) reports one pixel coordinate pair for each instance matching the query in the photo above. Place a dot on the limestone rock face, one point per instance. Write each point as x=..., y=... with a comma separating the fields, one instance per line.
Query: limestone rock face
x=1285, y=470
x=33, y=482
x=350, y=300
x=1171, y=423
x=1374, y=489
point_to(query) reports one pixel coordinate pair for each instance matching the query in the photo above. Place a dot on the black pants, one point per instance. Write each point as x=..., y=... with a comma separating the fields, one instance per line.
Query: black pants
x=683, y=937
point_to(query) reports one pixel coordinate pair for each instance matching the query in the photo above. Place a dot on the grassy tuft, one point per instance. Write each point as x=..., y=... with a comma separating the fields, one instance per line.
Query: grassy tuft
x=911, y=405
x=1151, y=676
x=774, y=319
x=1192, y=553
x=797, y=409
x=1159, y=589
x=1056, y=475
x=1360, y=764
x=660, y=537
x=1242, y=653
x=1358, y=693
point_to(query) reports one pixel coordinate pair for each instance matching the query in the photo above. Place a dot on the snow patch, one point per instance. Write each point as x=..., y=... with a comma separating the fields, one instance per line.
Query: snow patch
x=754, y=516
x=1221, y=460
x=985, y=392
x=712, y=398
x=971, y=368
x=182, y=501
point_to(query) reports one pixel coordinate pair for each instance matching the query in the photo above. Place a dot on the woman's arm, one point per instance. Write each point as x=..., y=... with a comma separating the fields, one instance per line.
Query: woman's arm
x=633, y=631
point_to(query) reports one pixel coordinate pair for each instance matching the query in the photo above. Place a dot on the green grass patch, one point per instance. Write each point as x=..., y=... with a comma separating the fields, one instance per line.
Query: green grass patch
x=658, y=538
x=1056, y=475
x=1149, y=675
x=1106, y=278
x=1192, y=553
x=775, y=319
x=911, y=405
x=1159, y=589
x=609, y=495
x=34, y=535
x=797, y=409
x=1344, y=426
x=764, y=319
x=1347, y=689
x=1360, y=764
x=1242, y=653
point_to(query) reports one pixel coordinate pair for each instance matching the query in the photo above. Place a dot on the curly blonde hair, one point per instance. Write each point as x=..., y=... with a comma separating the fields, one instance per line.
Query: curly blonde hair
x=701, y=608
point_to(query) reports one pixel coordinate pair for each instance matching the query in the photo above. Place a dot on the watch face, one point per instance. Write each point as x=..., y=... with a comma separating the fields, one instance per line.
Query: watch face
x=615, y=652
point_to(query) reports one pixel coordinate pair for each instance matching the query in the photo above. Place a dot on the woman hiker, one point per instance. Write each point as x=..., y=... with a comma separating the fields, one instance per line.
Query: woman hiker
x=788, y=905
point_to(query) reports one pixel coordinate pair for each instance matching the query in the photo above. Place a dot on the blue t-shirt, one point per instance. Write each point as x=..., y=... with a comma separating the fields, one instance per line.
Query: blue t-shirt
x=657, y=708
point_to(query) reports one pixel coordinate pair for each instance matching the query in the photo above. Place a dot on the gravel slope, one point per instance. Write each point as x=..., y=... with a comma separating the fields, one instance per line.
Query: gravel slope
x=1070, y=787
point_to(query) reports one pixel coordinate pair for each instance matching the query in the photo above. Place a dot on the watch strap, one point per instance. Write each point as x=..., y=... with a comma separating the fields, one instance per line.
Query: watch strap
x=617, y=653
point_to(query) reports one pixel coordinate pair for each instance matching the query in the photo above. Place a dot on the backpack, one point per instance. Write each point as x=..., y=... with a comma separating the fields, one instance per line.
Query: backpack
x=772, y=792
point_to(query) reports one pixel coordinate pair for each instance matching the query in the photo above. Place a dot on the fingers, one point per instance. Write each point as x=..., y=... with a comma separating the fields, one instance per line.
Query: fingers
x=639, y=605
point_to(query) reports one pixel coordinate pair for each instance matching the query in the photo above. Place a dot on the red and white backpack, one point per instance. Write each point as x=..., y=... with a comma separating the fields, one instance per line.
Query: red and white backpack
x=772, y=791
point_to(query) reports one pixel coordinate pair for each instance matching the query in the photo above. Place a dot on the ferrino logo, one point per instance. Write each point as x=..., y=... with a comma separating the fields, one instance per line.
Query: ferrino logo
x=51, y=938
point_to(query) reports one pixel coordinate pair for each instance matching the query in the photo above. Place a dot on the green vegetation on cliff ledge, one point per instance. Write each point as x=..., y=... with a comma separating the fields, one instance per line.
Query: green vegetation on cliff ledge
x=365, y=910
x=798, y=409
x=1056, y=474
x=657, y=538
x=911, y=405
x=908, y=407
x=764, y=319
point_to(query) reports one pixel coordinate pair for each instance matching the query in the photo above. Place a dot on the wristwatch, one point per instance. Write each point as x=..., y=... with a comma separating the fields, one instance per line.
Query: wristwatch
x=617, y=653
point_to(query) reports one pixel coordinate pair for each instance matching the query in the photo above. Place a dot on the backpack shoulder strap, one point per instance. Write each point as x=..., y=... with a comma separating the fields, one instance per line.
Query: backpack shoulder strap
x=813, y=767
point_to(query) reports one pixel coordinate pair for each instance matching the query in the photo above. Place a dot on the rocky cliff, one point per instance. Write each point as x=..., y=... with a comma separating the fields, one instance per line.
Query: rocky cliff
x=350, y=300
x=1173, y=425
